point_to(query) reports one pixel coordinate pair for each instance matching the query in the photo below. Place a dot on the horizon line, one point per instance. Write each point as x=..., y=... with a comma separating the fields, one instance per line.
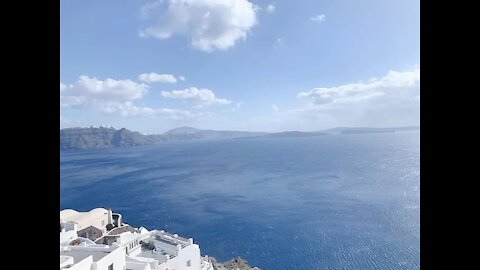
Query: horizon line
x=320, y=130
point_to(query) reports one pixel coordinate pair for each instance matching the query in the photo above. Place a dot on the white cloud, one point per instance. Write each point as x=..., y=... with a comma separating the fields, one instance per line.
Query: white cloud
x=157, y=78
x=114, y=97
x=181, y=78
x=198, y=97
x=319, y=18
x=91, y=90
x=210, y=24
x=130, y=109
x=388, y=101
x=147, y=9
x=237, y=107
x=275, y=108
x=271, y=8
x=393, y=85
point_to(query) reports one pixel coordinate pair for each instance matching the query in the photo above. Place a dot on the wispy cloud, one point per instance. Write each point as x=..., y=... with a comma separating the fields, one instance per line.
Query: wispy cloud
x=275, y=108
x=270, y=8
x=210, y=24
x=157, y=78
x=130, y=109
x=149, y=8
x=237, y=107
x=318, y=18
x=197, y=97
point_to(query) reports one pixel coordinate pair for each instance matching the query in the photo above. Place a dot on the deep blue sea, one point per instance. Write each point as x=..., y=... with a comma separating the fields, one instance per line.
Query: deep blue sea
x=330, y=202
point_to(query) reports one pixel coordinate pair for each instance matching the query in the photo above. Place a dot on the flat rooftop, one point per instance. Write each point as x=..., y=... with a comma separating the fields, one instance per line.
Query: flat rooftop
x=79, y=255
x=159, y=256
x=170, y=239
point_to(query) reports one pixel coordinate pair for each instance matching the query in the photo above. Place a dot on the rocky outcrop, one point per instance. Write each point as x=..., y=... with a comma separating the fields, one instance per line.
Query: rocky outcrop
x=93, y=138
x=233, y=264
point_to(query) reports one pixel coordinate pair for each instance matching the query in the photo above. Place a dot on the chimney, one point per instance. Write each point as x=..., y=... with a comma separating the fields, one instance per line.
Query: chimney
x=110, y=216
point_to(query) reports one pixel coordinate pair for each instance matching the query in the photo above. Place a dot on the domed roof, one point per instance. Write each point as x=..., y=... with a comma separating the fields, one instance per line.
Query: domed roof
x=98, y=210
x=84, y=219
x=66, y=213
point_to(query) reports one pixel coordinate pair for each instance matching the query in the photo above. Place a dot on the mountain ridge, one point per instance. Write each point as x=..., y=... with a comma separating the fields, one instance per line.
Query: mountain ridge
x=77, y=138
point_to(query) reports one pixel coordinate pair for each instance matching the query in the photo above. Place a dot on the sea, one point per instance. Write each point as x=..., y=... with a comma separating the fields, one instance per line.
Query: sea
x=344, y=201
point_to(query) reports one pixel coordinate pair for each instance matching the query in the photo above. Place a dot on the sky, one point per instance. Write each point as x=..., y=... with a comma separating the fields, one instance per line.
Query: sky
x=308, y=65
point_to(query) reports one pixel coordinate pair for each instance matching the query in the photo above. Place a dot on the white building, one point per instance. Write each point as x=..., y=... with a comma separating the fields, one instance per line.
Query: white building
x=87, y=244
x=88, y=256
x=92, y=224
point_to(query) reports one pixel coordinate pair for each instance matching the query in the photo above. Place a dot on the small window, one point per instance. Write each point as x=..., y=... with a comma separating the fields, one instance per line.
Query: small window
x=189, y=263
x=103, y=222
x=110, y=267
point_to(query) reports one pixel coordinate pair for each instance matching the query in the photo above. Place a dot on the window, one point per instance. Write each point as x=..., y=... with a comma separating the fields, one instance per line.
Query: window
x=103, y=222
x=189, y=263
x=110, y=267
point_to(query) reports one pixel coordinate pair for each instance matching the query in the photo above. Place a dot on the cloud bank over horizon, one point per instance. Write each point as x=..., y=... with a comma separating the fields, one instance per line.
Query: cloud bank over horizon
x=114, y=97
x=391, y=100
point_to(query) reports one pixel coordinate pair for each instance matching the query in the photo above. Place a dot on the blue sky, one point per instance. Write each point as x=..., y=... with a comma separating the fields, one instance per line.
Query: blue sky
x=235, y=64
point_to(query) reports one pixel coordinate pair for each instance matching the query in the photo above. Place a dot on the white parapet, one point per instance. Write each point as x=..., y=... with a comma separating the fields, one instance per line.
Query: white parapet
x=125, y=247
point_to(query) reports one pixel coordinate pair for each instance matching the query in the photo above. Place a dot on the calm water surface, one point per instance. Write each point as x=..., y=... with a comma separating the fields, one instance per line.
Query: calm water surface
x=329, y=202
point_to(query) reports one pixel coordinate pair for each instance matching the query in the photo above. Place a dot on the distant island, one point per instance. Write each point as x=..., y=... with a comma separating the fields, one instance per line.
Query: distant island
x=359, y=130
x=107, y=137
